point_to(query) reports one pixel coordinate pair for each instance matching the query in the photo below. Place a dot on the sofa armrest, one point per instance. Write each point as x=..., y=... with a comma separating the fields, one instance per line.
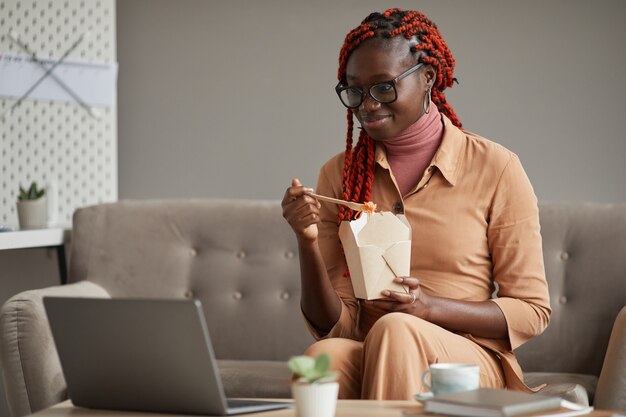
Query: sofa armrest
x=611, y=390
x=32, y=374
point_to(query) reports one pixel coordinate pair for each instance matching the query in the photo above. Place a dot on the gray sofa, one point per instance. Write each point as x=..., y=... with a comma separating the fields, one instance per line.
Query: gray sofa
x=240, y=259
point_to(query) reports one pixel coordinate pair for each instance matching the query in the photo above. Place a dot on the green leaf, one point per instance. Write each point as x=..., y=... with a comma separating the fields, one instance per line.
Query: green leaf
x=329, y=376
x=32, y=193
x=302, y=365
x=322, y=363
x=312, y=371
x=23, y=194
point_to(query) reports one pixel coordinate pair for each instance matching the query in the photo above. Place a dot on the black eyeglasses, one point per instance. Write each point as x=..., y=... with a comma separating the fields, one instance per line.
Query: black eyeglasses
x=384, y=92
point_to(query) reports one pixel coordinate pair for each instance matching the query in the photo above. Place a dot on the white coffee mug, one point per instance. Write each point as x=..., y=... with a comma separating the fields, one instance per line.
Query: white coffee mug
x=451, y=377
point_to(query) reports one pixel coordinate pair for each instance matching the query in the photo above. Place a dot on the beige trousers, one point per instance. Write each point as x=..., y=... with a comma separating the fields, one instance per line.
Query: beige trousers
x=389, y=363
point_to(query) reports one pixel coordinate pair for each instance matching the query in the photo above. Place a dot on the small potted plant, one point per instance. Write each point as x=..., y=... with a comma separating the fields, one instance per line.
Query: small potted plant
x=315, y=390
x=32, y=210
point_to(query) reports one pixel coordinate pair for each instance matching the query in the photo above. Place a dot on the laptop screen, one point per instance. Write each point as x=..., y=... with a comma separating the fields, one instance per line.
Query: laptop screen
x=137, y=354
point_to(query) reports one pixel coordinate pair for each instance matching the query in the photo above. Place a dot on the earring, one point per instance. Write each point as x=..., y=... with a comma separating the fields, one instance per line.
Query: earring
x=426, y=103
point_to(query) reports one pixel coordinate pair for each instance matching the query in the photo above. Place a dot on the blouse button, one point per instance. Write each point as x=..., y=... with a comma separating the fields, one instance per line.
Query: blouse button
x=398, y=207
x=562, y=299
x=237, y=295
x=564, y=256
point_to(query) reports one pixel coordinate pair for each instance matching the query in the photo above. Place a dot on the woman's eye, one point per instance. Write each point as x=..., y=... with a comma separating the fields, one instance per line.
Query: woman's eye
x=383, y=88
x=353, y=92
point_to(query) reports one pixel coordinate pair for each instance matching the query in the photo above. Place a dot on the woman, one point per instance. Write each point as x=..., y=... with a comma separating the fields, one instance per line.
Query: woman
x=473, y=215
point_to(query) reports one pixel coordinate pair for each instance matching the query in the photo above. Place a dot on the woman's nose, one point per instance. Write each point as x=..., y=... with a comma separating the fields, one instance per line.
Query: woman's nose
x=369, y=104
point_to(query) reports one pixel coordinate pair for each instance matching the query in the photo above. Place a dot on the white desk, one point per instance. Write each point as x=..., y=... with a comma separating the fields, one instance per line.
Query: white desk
x=52, y=237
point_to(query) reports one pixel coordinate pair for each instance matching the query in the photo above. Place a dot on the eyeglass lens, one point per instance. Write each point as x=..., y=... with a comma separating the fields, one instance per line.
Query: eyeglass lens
x=383, y=93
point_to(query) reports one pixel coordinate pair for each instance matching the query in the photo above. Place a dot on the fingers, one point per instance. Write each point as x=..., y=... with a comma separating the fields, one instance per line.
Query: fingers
x=296, y=191
x=400, y=297
x=303, y=214
x=411, y=282
x=302, y=208
x=299, y=208
x=297, y=196
x=411, y=286
x=390, y=304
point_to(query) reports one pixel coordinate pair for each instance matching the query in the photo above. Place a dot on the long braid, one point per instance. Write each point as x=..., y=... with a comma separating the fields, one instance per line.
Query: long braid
x=347, y=164
x=358, y=171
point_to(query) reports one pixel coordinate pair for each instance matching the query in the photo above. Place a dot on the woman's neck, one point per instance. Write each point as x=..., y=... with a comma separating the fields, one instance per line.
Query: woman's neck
x=410, y=152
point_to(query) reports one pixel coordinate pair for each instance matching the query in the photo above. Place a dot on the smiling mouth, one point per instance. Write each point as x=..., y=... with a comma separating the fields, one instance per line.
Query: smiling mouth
x=374, y=121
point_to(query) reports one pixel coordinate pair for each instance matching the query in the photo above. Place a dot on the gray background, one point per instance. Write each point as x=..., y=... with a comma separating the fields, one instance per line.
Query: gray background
x=234, y=98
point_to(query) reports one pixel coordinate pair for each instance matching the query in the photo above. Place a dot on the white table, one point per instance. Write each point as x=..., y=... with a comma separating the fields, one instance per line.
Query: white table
x=52, y=237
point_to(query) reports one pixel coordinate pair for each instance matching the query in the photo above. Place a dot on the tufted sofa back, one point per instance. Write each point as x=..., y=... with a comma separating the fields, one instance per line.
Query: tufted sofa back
x=584, y=247
x=238, y=257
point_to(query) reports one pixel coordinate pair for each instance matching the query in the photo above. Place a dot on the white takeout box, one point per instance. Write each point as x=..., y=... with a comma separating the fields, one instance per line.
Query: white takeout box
x=378, y=249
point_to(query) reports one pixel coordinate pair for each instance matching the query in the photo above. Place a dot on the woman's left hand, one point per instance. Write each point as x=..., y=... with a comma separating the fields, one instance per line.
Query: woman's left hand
x=411, y=302
x=480, y=318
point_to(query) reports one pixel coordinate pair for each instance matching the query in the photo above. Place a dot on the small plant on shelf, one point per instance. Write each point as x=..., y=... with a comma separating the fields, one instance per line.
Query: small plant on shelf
x=32, y=208
x=32, y=193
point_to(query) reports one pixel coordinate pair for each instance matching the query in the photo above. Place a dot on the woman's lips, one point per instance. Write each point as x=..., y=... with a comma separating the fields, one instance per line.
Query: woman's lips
x=374, y=122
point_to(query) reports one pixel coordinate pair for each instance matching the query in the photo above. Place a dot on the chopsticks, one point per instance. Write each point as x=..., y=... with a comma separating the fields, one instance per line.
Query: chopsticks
x=350, y=204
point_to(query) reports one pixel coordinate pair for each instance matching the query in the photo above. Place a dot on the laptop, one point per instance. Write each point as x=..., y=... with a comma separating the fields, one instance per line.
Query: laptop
x=141, y=355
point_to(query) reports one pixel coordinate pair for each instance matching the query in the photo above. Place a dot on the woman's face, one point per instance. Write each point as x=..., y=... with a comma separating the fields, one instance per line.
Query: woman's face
x=372, y=63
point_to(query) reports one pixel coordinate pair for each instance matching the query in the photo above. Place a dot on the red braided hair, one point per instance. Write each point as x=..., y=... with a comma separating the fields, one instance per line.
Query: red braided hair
x=358, y=170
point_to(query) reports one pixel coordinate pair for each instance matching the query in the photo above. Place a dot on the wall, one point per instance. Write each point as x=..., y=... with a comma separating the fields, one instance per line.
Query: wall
x=232, y=99
x=50, y=137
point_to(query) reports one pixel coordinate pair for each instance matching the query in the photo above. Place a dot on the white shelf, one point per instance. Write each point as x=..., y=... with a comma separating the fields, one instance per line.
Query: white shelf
x=35, y=238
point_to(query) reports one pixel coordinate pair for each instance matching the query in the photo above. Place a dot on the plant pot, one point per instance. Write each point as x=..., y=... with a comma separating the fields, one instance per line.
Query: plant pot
x=32, y=214
x=315, y=400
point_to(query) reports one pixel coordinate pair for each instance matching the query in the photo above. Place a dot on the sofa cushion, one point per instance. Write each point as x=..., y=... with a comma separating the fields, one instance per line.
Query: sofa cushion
x=577, y=388
x=260, y=379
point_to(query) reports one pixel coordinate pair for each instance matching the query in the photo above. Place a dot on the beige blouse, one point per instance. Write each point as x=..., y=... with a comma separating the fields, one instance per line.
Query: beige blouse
x=474, y=221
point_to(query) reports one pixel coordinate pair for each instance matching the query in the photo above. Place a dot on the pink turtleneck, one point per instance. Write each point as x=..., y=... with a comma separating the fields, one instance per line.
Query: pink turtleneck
x=411, y=151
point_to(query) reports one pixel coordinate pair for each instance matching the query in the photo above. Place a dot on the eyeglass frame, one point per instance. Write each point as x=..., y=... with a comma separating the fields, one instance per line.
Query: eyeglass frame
x=339, y=88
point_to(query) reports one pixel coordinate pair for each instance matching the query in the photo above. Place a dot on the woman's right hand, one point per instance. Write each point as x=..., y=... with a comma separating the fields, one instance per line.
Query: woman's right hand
x=301, y=211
